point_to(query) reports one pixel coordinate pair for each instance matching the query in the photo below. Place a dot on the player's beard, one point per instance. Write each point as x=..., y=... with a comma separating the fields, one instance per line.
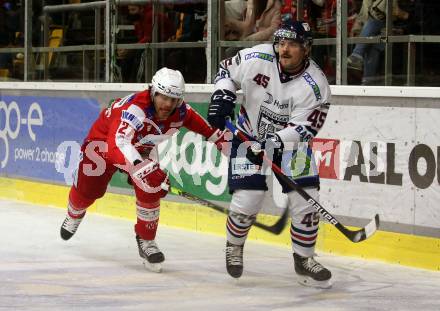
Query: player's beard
x=163, y=114
x=291, y=68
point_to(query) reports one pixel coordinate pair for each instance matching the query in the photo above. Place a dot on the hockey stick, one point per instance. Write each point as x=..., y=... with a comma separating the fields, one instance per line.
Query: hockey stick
x=276, y=228
x=353, y=235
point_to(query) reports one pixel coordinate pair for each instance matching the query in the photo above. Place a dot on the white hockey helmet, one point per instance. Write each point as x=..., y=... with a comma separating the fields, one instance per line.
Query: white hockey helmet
x=168, y=82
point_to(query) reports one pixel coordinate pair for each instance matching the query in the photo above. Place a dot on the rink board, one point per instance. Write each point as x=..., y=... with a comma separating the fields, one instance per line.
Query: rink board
x=377, y=154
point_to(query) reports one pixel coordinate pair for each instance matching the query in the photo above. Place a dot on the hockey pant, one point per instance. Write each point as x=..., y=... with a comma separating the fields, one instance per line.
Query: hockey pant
x=91, y=179
x=248, y=186
x=246, y=204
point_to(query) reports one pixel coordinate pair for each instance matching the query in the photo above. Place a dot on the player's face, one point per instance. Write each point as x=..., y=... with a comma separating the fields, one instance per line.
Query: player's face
x=164, y=106
x=292, y=55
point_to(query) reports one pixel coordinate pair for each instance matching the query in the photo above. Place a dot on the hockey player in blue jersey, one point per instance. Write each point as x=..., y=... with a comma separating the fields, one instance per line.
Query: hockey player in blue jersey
x=285, y=102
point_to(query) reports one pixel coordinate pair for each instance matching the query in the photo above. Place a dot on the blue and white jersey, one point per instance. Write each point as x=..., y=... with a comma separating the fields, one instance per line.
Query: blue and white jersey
x=273, y=100
x=294, y=107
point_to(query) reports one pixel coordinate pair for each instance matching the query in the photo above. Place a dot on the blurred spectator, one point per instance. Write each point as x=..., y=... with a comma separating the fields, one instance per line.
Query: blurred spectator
x=143, y=21
x=288, y=10
x=10, y=18
x=4, y=37
x=10, y=35
x=377, y=12
x=235, y=19
x=142, y=18
x=322, y=16
x=365, y=56
x=267, y=21
x=190, y=20
x=5, y=61
x=261, y=19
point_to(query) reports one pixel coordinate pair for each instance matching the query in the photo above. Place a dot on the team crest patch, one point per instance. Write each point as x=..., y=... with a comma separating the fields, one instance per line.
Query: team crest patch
x=313, y=84
x=270, y=122
x=260, y=55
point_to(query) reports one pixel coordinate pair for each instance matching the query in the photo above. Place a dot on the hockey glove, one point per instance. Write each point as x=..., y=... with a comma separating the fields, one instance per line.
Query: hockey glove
x=222, y=140
x=273, y=147
x=221, y=106
x=148, y=176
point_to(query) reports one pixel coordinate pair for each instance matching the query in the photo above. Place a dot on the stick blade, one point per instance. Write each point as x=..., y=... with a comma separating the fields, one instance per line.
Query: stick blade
x=281, y=223
x=368, y=230
x=278, y=227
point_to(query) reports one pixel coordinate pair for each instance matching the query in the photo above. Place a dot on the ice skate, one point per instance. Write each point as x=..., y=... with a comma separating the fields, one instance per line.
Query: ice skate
x=234, y=259
x=311, y=273
x=151, y=254
x=69, y=227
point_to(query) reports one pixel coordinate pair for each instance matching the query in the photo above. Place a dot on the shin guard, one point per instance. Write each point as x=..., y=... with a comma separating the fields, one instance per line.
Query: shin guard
x=147, y=219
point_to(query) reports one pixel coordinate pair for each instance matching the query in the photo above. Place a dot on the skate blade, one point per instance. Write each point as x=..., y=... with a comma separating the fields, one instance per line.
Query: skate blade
x=154, y=267
x=308, y=281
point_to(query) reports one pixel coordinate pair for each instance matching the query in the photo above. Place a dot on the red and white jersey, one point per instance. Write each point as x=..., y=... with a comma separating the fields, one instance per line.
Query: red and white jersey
x=129, y=126
x=294, y=107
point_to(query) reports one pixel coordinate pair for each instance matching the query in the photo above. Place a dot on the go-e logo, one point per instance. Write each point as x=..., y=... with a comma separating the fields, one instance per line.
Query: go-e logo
x=7, y=132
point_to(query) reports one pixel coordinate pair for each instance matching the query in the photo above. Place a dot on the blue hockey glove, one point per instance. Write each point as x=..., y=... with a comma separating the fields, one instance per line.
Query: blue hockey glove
x=221, y=106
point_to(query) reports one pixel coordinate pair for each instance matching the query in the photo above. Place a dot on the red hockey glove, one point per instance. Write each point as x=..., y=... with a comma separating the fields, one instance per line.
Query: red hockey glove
x=148, y=176
x=222, y=139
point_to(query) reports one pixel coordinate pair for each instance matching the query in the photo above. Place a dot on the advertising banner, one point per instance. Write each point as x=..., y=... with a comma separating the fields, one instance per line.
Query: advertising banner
x=374, y=154
x=32, y=129
x=382, y=159
x=40, y=138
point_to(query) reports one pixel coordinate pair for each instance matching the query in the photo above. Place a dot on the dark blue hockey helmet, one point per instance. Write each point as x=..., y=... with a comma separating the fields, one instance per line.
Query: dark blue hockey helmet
x=298, y=31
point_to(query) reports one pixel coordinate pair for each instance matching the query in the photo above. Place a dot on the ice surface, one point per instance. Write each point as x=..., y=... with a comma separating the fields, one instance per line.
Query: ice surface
x=100, y=269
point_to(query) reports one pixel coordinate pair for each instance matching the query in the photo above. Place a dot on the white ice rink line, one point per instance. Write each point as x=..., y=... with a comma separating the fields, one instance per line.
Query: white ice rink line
x=100, y=269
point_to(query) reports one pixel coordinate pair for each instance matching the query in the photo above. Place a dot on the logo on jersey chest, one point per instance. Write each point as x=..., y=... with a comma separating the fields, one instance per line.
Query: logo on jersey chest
x=270, y=122
x=270, y=101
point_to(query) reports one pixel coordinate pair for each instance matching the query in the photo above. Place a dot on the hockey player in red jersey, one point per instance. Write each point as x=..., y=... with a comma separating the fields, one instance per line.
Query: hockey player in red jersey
x=123, y=137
